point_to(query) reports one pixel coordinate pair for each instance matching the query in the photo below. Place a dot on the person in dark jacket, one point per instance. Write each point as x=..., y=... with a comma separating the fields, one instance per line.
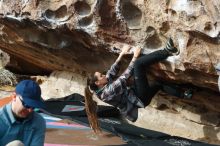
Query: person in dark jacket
x=115, y=90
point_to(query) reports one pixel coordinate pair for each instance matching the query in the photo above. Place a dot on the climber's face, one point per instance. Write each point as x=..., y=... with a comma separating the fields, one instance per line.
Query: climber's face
x=101, y=79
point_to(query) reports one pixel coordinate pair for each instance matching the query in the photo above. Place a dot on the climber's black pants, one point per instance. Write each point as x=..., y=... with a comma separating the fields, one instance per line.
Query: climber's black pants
x=143, y=89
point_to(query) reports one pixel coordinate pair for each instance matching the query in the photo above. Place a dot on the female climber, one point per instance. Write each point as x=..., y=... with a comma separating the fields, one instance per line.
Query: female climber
x=115, y=90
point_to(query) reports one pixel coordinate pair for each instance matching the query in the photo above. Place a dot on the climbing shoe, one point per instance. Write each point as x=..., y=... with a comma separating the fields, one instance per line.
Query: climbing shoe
x=170, y=48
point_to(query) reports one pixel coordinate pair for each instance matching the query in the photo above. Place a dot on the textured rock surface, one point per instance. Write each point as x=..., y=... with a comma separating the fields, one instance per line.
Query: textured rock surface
x=61, y=84
x=6, y=77
x=196, y=119
x=4, y=59
x=77, y=36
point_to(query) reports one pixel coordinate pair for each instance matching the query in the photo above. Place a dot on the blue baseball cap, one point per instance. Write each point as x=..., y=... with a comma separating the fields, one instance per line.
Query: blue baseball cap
x=31, y=93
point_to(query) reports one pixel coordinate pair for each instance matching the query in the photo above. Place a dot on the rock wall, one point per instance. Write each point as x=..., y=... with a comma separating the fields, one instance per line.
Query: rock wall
x=77, y=36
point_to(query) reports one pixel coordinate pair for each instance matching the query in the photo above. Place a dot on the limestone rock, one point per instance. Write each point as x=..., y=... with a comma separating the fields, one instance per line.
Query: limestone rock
x=78, y=35
x=61, y=84
x=7, y=78
x=4, y=59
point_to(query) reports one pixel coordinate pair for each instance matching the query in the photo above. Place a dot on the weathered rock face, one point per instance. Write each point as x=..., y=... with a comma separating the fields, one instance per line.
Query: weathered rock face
x=77, y=36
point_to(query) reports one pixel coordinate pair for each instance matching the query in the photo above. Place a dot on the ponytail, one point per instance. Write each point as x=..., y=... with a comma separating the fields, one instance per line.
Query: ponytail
x=91, y=109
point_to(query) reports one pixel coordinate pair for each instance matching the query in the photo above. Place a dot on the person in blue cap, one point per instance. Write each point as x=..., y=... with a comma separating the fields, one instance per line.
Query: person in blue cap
x=19, y=123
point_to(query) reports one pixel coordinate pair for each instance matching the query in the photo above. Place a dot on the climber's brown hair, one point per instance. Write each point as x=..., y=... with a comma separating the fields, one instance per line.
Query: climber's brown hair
x=91, y=105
